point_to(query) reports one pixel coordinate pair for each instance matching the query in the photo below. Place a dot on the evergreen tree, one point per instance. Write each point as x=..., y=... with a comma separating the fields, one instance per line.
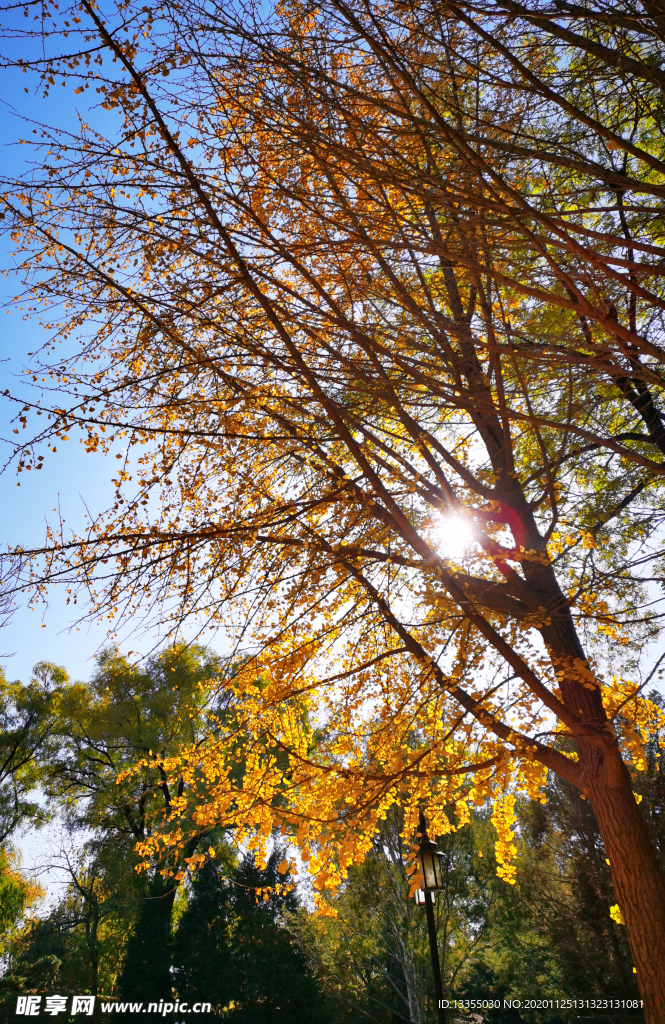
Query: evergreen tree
x=202, y=958
x=232, y=949
x=146, y=972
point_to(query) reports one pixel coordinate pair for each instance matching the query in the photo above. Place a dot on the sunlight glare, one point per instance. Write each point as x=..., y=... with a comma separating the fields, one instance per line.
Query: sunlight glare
x=454, y=536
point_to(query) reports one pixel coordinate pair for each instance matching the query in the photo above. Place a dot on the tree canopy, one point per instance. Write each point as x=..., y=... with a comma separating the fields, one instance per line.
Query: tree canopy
x=140, y=931
x=29, y=719
x=348, y=280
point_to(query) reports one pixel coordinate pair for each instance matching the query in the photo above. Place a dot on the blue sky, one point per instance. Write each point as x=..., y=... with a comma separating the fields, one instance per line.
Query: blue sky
x=71, y=479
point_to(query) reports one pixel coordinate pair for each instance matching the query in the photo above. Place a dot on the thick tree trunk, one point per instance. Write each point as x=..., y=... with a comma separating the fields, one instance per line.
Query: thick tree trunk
x=638, y=882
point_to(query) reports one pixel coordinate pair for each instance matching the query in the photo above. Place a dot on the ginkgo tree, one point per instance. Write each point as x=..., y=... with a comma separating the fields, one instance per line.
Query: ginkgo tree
x=372, y=295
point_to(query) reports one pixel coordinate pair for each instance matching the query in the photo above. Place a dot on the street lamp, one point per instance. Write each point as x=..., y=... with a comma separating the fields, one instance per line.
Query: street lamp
x=430, y=856
x=430, y=862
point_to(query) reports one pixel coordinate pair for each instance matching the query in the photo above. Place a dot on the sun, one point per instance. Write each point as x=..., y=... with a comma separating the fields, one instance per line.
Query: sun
x=454, y=535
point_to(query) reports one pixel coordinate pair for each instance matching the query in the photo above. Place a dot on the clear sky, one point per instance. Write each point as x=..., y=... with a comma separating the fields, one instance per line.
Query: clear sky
x=71, y=479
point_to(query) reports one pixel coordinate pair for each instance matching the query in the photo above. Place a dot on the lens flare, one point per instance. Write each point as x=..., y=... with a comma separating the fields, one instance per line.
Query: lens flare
x=454, y=535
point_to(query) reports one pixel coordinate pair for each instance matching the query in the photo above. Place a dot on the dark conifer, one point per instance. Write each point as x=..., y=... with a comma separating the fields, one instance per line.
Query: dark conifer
x=232, y=949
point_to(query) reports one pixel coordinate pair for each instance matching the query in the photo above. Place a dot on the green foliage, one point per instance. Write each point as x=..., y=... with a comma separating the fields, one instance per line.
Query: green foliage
x=129, y=714
x=29, y=719
x=146, y=973
x=233, y=949
x=374, y=955
x=213, y=937
x=79, y=946
x=202, y=957
x=95, y=732
x=549, y=934
x=16, y=894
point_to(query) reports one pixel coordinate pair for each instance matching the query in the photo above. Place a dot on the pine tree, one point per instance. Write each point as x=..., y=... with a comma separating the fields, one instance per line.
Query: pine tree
x=146, y=973
x=232, y=949
x=202, y=957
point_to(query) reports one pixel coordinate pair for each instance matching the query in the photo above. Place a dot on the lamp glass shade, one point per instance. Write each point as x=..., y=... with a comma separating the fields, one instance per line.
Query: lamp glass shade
x=430, y=864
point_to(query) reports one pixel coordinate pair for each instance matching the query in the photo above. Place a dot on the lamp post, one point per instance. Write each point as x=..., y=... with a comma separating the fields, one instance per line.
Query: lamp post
x=430, y=865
